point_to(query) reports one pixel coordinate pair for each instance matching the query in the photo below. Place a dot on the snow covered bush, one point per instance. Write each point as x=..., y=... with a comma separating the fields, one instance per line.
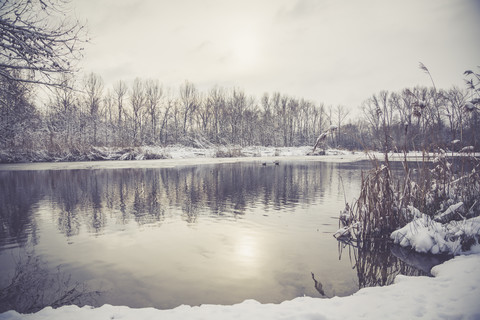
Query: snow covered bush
x=433, y=208
x=228, y=152
x=426, y=235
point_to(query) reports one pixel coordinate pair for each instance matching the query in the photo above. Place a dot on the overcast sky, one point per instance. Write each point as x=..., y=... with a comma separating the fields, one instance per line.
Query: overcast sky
x=336, y=52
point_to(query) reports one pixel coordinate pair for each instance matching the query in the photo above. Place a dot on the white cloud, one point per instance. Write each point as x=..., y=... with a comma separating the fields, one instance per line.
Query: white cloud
x=337, y=52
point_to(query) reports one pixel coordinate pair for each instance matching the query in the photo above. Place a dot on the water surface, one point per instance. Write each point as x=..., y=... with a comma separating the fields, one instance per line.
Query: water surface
x=162, y=237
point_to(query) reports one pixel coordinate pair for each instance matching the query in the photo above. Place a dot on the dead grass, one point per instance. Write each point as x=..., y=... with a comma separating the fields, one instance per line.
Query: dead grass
x=431, y=185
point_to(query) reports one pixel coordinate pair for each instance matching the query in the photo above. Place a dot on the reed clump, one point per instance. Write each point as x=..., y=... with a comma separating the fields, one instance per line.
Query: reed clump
x=375, y=212
x=445, y=189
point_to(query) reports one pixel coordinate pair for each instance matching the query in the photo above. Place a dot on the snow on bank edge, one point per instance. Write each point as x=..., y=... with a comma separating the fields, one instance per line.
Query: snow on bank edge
x=423, y=234
x=452, y=294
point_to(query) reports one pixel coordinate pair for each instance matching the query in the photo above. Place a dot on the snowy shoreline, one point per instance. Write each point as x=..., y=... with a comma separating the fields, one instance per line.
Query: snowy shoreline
x=451, y=294
x=185, y=156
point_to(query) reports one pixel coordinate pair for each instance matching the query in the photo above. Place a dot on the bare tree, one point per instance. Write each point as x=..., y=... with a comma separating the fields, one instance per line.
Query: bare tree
x=120, y=89
x=38, y=41
x=284, y=118
x=108, y=116
x=93, y=85
x=237, y=104
x=216, y=99
x=267, y=137
x=153, y=94
x=455, y=112
x=166, y=115
x=137, y=99
x=340, y=114
x=188, y=96
x=17, y=114
x=204, y=114
x=64, y=109
x=473, y=106
x=318, y=119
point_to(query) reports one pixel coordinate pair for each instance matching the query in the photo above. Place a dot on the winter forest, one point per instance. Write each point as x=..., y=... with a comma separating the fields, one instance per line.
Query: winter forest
x=85, y=114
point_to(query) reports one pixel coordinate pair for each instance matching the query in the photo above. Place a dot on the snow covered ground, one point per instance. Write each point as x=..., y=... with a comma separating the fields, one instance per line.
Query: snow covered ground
x=176, y=152
x=180, y=155
x=172, y=156
x=452, y=294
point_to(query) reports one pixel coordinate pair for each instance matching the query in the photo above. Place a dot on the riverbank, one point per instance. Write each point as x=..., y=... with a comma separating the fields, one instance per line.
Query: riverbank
x=159, y=157
x=174, y=162
x=451, y=294
x=147, y=153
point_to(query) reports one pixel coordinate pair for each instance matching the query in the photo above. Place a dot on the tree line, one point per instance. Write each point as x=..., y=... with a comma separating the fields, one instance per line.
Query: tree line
x=147, y=113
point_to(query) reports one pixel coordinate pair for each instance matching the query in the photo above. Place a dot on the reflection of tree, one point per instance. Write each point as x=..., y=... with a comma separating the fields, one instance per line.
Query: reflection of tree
x=33, y=286
x=375, y=263
x=18, y=195
x=145, y=206
x=97, y=218
x=190, y=204
x=94, y=198
x=68, y=222
x=121, y=201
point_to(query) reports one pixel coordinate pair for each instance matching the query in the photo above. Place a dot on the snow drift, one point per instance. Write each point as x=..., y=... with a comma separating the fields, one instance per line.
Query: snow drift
x=452, y=294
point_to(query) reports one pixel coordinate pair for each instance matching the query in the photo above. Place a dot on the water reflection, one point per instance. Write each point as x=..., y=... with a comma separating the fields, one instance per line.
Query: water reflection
x=378, y=262
x=18, y=195
x=189, y=235
x=318, y=285
x=90, y=198
x=33, y=286
x=421, y=261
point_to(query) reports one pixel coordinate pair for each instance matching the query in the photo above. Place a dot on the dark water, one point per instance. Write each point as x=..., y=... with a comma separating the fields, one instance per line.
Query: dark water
x=216, y=234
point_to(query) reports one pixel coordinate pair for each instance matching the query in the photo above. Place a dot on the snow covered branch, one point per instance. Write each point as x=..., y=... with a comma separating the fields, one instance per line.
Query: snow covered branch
x=39, y=41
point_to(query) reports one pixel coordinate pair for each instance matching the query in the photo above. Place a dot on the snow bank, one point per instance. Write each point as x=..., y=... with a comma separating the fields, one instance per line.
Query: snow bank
x=173, y=156
x=452, y=294
x=423, y=234
x=206, y=151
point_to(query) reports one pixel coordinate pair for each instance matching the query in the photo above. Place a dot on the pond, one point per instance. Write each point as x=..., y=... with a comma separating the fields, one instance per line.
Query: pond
x=205, y=234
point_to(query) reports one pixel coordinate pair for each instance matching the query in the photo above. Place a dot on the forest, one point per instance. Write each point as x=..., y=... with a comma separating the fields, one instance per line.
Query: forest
x=86, y=114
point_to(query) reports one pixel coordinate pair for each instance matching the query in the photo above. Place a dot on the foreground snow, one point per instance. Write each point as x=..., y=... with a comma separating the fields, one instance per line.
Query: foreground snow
x=452, y=294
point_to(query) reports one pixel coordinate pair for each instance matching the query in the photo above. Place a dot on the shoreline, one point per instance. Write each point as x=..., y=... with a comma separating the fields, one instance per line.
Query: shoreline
x=190, y=157
x=168, y=163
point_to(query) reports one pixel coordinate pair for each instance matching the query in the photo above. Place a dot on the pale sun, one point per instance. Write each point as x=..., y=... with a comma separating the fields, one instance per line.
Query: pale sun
x=245, y=49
